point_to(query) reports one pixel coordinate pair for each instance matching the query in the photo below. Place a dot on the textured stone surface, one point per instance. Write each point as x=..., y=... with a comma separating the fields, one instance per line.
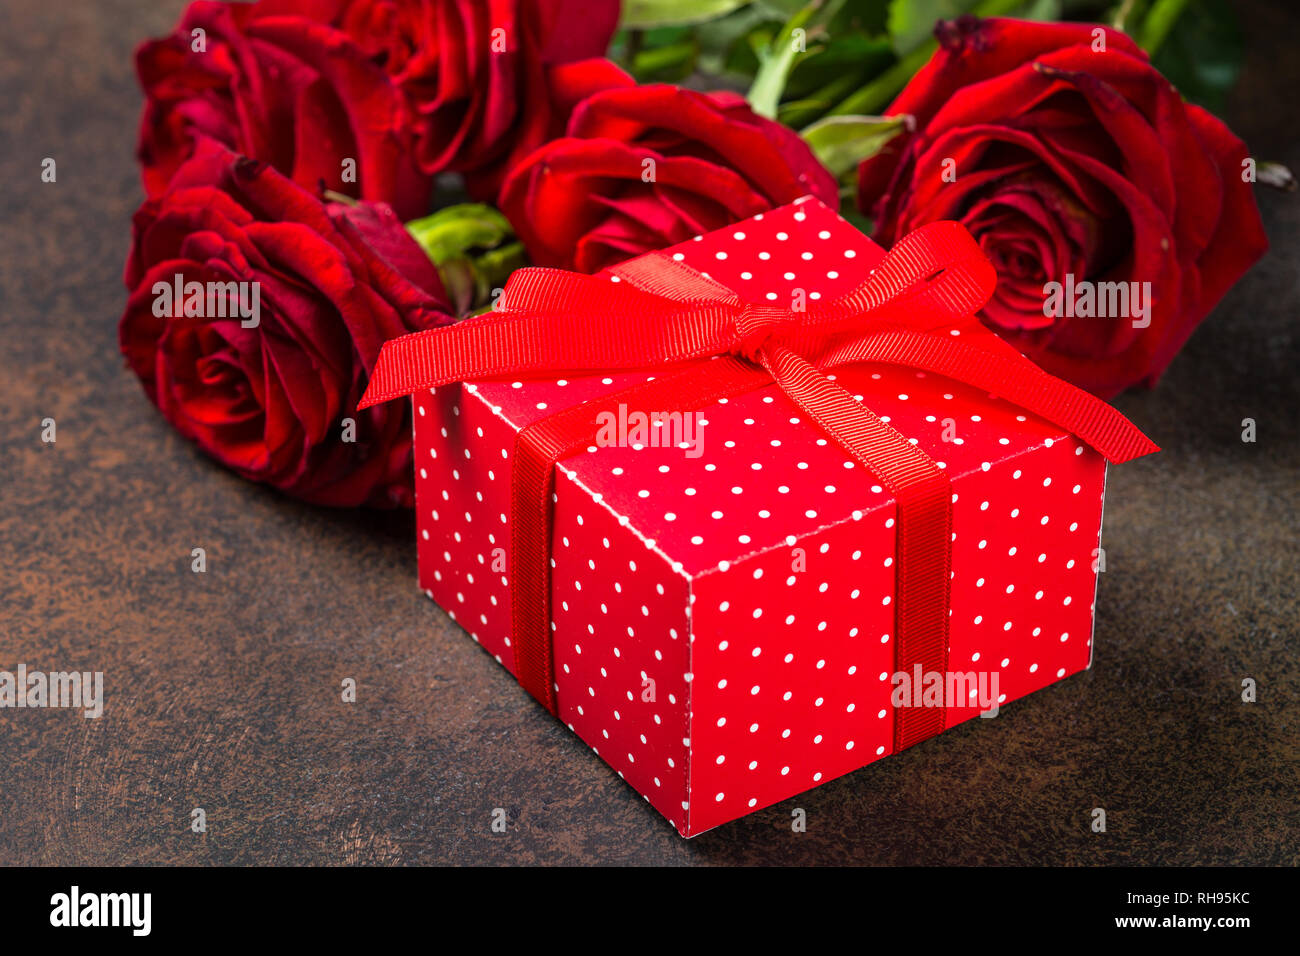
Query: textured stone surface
x=223, y=689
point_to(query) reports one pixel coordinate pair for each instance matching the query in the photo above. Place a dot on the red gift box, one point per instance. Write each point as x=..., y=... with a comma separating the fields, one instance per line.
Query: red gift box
x=723, y=582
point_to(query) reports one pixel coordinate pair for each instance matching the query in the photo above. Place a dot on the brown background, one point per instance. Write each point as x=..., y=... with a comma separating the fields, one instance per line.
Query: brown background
x=223, y=688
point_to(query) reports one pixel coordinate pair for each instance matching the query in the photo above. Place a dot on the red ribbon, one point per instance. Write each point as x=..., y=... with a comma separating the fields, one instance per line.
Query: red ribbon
x=707, y=343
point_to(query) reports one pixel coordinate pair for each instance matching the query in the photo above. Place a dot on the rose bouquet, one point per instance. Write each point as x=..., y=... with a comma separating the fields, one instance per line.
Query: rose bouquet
x=322, y=176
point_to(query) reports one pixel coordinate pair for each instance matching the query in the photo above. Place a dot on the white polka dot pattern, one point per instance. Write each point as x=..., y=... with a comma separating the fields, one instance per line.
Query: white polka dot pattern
x=723, y=623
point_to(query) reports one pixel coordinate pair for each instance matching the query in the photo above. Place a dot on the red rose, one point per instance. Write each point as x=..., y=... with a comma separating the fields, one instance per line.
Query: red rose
x=276, y=83
x=488, y=80
x=264, y=374
x=649, y=166
x=1071, y=164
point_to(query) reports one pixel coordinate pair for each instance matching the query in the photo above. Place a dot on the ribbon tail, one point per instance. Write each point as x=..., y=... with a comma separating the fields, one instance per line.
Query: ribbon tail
x=538, y=448
x=923, y=528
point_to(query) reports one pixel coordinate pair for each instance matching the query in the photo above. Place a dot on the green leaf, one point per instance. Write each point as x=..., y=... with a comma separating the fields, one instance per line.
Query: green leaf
x=1127, y=15
x=823, y=79
x=1201, y=53
x=797, y=38
x=472, y=246
x=842, y=142
x=876, y=94
x=643, y=51
x=838, y=58
x=666, y=64
x=743, y=57
x=724, y=43
x=1157, y=23
x=1042, y=10
x=644, y=14
x=779, y=9
x=451, y=232
x=870, y=16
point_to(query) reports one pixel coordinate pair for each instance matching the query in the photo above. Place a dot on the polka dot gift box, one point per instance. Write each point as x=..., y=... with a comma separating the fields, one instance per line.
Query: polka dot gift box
x=752, y=512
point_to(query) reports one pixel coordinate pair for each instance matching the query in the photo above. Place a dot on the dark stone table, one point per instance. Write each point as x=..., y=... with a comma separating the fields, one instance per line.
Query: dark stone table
x=223, y=688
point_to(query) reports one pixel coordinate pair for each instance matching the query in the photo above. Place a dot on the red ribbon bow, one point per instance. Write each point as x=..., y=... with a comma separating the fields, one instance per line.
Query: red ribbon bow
x=915, y=309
